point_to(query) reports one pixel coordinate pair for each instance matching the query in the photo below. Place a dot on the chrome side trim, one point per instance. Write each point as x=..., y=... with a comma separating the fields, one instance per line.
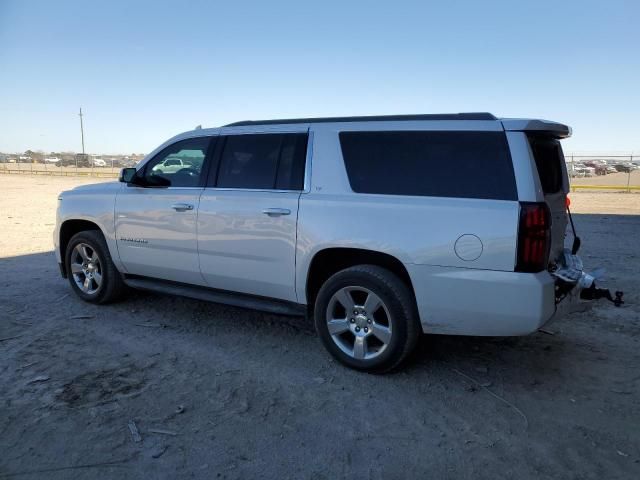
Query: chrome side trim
x=228, y=189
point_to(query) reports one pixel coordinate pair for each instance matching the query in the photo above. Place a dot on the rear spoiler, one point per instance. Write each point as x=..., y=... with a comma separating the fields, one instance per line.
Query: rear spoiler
x=554, y=129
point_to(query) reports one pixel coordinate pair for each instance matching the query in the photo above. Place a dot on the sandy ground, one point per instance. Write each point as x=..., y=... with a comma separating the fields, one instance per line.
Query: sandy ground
x=619, y=178
x=51, y=169
x=605, y=203
x=219, y=392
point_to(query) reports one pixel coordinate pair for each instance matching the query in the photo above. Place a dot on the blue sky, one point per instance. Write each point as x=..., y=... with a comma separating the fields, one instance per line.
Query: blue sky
x=144, y=71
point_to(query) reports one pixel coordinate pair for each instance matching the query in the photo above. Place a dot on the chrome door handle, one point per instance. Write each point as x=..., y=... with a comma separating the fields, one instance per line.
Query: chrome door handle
x=182, y=207
x=276, y=212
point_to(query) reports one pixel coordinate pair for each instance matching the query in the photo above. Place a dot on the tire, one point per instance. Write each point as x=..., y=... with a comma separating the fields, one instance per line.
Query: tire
x=389, y=332
x=98, y=281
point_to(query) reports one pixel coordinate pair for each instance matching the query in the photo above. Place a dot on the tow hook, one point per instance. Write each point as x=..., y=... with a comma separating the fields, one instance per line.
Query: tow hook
x=594, y=293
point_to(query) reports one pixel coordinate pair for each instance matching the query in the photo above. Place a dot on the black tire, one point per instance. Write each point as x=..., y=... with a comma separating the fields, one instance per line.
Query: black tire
x=397, y=301
x=111, y=286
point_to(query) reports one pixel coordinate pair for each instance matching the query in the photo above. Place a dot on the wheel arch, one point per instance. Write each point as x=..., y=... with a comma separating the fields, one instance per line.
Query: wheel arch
x=67, y=230
x=331, y=260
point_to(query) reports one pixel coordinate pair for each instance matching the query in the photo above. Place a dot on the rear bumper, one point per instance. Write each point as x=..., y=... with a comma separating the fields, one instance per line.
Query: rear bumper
x=459, y=301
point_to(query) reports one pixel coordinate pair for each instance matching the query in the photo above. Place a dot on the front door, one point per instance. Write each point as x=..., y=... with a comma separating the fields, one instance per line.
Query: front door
x=156, y=224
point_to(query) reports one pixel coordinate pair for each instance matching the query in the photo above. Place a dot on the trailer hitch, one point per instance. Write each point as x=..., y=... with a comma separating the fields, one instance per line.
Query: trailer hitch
x=594, y=293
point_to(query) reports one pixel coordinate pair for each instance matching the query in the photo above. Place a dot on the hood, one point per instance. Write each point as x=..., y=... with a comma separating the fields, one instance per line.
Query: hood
x=105, y=187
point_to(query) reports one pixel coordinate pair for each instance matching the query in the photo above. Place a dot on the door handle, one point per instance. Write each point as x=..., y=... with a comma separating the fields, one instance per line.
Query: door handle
x=182, y=207
x=276, y=212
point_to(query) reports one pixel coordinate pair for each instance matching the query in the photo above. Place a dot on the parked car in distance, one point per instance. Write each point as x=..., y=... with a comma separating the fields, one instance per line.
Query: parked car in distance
x=601, y=169
x=624, y=167
x=594, y=163
x=169, y=165
x=98, y=162
x=580, y=171
x=380, y=228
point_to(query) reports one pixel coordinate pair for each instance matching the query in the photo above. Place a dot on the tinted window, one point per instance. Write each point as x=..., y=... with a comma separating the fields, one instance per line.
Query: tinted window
x=292, y=163
x=549, y=161
x=179, y=165
x=263, y=161
x=439, y=164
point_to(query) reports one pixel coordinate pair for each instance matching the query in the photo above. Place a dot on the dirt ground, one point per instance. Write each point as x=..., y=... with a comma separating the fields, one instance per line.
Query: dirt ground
x=620, y=178
x=220, y=392
x=54, y=170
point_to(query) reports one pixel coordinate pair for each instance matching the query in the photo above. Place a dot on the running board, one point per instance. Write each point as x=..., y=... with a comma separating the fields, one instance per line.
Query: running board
x=242, y=300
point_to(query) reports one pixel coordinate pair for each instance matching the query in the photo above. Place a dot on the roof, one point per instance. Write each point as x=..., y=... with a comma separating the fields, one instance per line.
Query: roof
x=377, y=118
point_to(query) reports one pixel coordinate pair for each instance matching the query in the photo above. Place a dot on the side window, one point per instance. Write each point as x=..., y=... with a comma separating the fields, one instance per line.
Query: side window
x=549, y=161
x=263, y=161
x=181, y=164
x=292, y=162
x=430, y=163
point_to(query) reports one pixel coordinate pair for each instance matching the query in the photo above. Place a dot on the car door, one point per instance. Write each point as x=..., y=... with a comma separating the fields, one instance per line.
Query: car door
x=156, y=223
x=248, y=213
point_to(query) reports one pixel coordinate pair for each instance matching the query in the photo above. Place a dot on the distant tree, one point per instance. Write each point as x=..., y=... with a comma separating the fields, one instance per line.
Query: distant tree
x=36, y=156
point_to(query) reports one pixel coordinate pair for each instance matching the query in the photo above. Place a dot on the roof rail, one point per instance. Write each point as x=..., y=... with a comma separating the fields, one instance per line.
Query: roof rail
x=376, y=118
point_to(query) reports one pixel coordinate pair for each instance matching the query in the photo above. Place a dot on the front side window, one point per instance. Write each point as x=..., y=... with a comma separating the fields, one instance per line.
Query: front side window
x=457, y=164
x=263, y=161
x=179, y=165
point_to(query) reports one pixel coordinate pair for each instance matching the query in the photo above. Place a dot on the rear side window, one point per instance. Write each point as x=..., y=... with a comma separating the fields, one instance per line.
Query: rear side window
x=549, y=161
x=436, y=164
x=263, y=161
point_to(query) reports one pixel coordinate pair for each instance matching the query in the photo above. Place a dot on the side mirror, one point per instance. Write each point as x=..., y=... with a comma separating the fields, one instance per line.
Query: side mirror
x=127, y=175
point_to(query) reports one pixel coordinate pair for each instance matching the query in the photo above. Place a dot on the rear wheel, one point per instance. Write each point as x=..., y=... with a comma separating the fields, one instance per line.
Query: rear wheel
x=91, y=272
x=365, y=316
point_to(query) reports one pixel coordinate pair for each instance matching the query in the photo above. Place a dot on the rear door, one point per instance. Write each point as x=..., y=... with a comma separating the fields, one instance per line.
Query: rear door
x=554, y=181
x=248, y=213
x=156, y=225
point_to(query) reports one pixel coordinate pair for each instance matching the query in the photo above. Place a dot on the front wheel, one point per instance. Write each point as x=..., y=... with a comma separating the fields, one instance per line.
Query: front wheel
x=366, y=317
x=91, y=272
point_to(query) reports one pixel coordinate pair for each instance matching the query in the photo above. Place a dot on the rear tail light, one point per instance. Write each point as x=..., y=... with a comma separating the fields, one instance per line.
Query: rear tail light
x=534, y=237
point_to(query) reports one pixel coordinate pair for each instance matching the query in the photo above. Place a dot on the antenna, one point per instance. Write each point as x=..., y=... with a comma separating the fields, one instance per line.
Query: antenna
x=82, y=131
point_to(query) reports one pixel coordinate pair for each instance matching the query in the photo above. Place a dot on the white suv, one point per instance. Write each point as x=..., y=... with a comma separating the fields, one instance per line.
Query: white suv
x=379, y=227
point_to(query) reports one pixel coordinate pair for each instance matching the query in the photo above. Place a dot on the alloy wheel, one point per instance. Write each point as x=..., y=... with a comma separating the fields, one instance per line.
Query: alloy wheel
x=86, y=268
x=359, y=322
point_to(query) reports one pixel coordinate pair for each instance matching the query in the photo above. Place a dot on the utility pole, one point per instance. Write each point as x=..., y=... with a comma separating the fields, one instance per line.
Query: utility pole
x=82, y=131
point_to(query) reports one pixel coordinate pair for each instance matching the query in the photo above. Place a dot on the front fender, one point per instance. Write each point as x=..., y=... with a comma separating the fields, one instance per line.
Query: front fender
x=96, y=205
